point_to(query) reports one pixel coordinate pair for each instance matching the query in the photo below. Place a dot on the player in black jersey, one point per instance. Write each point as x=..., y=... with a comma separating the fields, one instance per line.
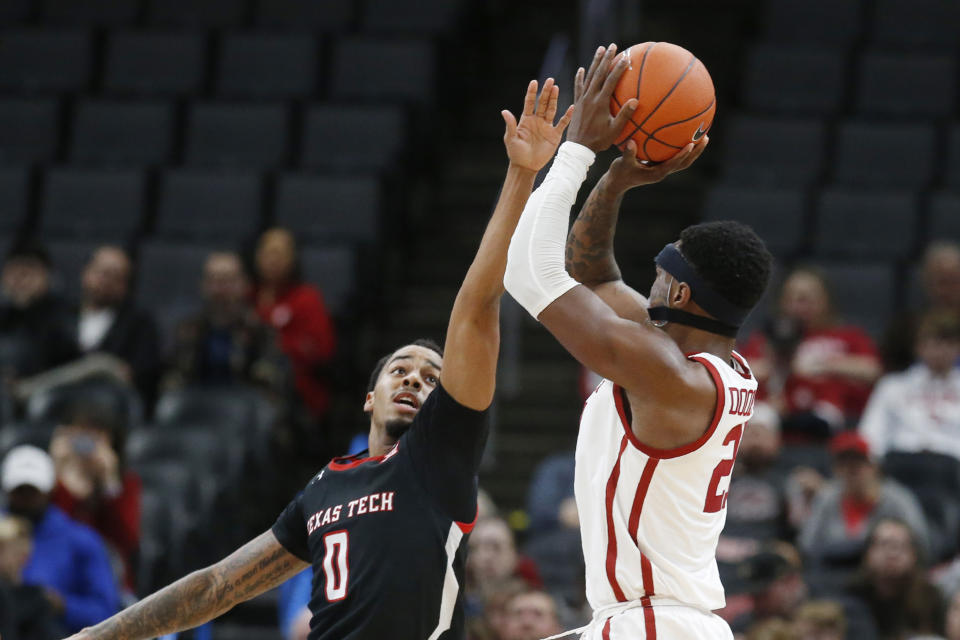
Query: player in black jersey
x=384, y=531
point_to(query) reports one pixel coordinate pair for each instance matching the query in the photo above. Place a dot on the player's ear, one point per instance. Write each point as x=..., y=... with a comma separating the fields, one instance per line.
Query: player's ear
x=680, y=296
x=368, y=403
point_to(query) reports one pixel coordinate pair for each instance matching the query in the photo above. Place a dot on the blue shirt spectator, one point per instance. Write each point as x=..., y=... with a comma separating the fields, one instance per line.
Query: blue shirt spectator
x=69, y=559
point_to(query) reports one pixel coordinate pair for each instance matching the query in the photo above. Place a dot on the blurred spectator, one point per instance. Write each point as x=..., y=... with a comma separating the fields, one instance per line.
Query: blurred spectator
x=93, y=484
x=493, y=559
x=296, y=311
x=849, y=507
x=108, y=322
x=952, y=630
x=225, y=342
x=757, y=505
x=531, y=615
x=496, y=618
x=941, y=286
x=25, y=612
x=820, y=620
x=892, y=583
x=814, y=370
x=35, y=324
x=773, y=629
x=69, y=559
x=775, y=583
x=919, y=409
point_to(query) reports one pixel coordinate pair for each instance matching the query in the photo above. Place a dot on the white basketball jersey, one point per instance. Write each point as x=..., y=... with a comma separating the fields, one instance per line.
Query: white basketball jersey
x=650, y=518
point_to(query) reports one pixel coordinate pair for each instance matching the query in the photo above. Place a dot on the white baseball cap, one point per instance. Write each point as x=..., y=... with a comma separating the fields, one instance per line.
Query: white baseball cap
x=28, y=465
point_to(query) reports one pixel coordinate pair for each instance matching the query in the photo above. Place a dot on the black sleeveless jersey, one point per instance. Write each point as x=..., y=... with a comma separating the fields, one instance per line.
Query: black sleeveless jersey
x=385, y=535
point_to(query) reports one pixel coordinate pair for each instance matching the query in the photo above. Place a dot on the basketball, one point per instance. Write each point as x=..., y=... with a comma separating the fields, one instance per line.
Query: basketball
x=676, y=100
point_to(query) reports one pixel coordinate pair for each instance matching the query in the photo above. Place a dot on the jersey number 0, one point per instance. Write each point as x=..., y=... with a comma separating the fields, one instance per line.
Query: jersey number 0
x=336, y=567
x=716, y=502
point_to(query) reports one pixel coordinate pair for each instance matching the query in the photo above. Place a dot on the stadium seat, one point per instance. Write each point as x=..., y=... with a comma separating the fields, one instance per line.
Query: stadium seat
x=906, y=85
x=945, y=217
x=28, y=130
x=755, y=151
x=196, y=13
x=69, y=258
x=358, y=69
x=353, y=137
x=44, y=60
x=15, y=434
x=168, y=276
x=108, y=132
x=421, y=17
x=265, y=65
x=935, y=480
x=92, y=204
x=305, y=15
x=55, y=405
x=154, y=63
x=952, y=178
x=203, y=205
x=14, y=12
x=237, y=135
x=794, y=79
x=866, y=224
x=333, y=270
x=777, y=215
x=863, y=292
x=14, y=196
x=93, y=13
x=890, y=156
x=832, y=22
x=329, y=209
x=201, y=451
x=917, y=24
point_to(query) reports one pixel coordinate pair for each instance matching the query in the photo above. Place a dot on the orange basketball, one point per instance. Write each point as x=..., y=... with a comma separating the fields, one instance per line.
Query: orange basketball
x=675, y=95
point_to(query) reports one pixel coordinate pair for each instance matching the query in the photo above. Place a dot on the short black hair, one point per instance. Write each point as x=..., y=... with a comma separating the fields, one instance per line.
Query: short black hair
x=29, y=249
x=426, y=343
x=731, y=257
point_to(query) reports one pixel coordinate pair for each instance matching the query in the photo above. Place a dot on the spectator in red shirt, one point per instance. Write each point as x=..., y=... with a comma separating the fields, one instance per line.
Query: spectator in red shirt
x=296, y=311
x=815, y=370
x=93, y=486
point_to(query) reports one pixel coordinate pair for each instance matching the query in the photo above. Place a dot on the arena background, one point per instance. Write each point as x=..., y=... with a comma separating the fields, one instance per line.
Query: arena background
x=371, y=129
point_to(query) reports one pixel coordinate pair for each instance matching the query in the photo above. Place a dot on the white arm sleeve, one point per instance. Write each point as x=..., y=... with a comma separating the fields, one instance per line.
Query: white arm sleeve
x=536, y=274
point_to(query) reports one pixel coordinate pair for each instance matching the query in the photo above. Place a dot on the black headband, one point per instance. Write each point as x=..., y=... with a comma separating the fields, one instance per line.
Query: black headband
x=673, y=262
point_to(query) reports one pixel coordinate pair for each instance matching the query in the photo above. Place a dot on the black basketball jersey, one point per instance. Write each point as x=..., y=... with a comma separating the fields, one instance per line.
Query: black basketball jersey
x=385, y=535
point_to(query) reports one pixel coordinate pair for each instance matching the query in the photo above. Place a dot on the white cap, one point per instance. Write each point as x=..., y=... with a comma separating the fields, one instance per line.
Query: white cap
x=28, y=465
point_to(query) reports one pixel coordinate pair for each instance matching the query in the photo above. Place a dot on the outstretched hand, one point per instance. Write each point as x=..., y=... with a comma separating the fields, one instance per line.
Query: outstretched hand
x=592, y=124
x=627, y=171
x=532, y=142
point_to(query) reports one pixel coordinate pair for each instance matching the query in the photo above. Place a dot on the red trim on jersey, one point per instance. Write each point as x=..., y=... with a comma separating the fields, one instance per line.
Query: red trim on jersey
x=683, y=450
x=641, y=495
x=649, y=620
x=606, y=630
x=743, y=363
x=611, y=531
x=349, y=462
x=467, y=527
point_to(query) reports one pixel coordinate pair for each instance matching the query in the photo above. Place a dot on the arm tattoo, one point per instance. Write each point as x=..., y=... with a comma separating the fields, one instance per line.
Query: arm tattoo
x=589, y=255
x=205, y=594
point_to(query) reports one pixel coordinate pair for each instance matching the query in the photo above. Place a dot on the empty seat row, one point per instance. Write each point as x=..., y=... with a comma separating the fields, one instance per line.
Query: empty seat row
x=793, y=151
x=218, y=134
x=249, y=64
x=109, y=205
x=812, y=79
x=850, y=224
x=298, y=15
x=907, y=24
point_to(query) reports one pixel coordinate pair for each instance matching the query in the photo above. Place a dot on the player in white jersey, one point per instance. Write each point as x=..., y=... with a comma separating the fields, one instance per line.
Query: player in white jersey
x=659, y=437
